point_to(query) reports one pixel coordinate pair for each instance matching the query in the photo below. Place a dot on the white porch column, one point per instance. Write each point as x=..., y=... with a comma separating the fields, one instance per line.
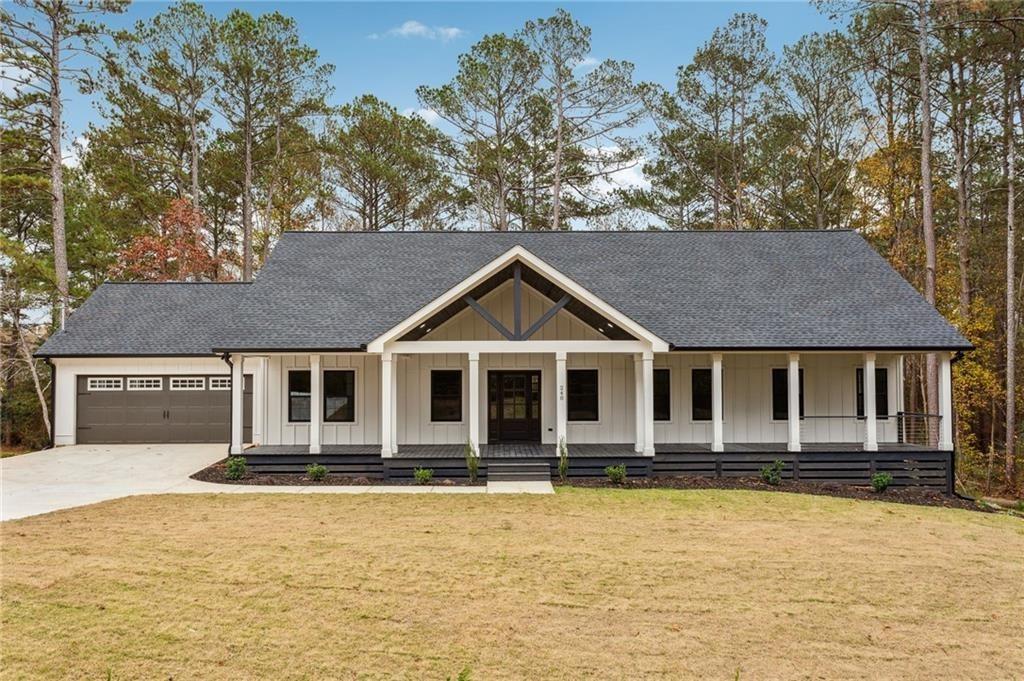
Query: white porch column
x=237, y=404
x=315, y=404
x=394, y=403
x=474, y=400
x=717, y=438
x=562, y=406
x=386, y=386
x=648, y=361
x=945, y=402
x=870, y=409
x=638, y=399
x=794, y=402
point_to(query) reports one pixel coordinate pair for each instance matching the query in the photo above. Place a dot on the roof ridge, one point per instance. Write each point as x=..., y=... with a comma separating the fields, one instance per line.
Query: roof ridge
x=178, y=283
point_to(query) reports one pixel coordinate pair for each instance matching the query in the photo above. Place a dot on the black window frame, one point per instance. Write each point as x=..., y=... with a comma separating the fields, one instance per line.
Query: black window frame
x=434, y=418
x=785, y=401
x=309, y=394
x=881, y=393
x=326, y=396
x=665, y=415
x=570, y=395
x=695, y=403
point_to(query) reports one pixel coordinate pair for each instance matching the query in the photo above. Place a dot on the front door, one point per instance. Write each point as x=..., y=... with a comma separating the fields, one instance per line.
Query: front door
x=513, y=406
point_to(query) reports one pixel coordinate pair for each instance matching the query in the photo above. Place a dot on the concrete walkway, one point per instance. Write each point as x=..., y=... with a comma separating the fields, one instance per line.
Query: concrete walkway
x=66, y=477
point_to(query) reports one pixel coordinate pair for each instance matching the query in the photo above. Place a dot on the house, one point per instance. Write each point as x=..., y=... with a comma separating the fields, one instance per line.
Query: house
x=672, y=352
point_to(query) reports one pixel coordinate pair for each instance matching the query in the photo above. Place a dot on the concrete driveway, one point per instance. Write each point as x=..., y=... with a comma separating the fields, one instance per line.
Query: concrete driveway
x=64, y=477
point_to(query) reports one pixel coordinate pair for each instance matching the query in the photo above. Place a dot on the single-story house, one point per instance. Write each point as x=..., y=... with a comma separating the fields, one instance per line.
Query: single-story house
x=374, y=353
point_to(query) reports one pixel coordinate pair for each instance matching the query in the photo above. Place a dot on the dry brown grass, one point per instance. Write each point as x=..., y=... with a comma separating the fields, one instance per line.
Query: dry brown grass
x=588, y=583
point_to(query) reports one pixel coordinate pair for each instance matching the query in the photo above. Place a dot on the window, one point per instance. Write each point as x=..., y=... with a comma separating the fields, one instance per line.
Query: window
x=298, y=396
x=146, y=383
x=189, y=383
x=582, y=394
x=662, y=395
x=780, y=394
x=220, y=383
x=340, y=396
x=881, y=393
x=700, y=394
x=446, y=395
x=101, y=384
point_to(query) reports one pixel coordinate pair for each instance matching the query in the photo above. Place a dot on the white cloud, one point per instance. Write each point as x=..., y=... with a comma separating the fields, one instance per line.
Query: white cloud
x=586, y=63
x=428, y=115
x=417, y=29
x=73, y=155
x=628, y=176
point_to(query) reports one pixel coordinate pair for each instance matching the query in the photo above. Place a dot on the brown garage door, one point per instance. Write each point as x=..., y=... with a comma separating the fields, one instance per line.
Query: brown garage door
x=115, y=409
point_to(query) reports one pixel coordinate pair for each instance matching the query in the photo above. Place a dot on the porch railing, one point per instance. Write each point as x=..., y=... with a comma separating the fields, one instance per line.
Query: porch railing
x=902, y=427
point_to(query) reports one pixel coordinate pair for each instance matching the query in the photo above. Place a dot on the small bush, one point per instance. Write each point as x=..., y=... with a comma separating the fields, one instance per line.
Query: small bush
x=881, y=481
x=472, y=461
x=315, y=471
x=236, y=468
x=772, y=473
x=423, y=475
x=563, y=460
x=616, y=474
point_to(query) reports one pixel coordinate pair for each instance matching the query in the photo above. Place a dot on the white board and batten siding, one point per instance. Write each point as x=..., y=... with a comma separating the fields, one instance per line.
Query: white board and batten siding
x=365, y=429
x=829, y=390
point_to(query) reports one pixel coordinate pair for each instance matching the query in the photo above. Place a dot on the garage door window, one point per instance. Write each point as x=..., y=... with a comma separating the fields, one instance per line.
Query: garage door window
x=220, y=383
x=189, y=383
x=102, y=384
x=146, y=383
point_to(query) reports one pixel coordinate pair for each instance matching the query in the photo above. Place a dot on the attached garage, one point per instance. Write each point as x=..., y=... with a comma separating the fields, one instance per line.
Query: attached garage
x=128, y=409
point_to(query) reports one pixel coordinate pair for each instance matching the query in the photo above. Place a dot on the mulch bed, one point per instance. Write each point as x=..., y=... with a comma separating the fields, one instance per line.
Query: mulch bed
x=215, y=473
x=901, y=495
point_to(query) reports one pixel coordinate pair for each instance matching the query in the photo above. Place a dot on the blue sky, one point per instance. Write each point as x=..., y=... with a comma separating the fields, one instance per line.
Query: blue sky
x=373, y=53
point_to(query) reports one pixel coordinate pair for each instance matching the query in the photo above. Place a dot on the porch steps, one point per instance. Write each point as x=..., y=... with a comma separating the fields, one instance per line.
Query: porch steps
x=519, y=471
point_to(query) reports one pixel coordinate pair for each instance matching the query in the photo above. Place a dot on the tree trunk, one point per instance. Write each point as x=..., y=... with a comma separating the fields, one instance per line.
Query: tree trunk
x=247, y=204
x=60, y=250
x=1011, y=294
x=927, y=215
x=194, y=141
x=556, y=187
x=23, y=344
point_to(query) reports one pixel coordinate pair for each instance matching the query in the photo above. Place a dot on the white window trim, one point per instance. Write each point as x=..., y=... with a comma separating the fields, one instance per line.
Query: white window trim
x=463, y=394
x=201, y=386
x=771, y=405
x=140, y=379
x=226, y=386
x=600, y=396
x=97, y=387
x=287, y=397
x=355, y=396
x=672, y=403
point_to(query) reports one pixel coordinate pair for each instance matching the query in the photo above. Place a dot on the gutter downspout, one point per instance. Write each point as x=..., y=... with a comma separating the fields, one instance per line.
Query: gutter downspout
x=231, y=402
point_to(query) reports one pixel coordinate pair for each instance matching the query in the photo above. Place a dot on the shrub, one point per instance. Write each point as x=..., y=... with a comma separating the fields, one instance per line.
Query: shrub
x=236, y=468
x=423, y=475
x=563, y=460
x=772, y=473
x=616, y=474
x=472, y=460
x=316, y=471
x=881, y=481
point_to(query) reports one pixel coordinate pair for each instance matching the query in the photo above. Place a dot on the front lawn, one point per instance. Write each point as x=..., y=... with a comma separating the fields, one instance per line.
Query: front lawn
x=587, y=583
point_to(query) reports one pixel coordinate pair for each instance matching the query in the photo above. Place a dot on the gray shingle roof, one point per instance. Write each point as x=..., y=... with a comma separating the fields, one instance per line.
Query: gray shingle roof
x=699, y=290
x=146, y=319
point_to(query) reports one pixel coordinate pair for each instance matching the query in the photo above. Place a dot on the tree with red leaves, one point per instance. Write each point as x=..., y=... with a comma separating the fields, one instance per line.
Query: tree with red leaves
x=176, y=253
